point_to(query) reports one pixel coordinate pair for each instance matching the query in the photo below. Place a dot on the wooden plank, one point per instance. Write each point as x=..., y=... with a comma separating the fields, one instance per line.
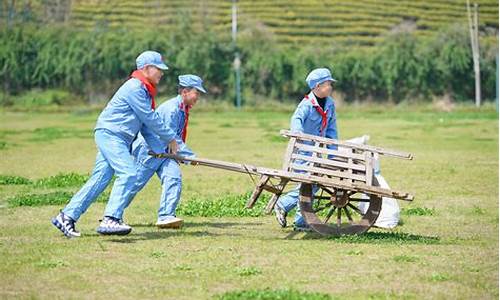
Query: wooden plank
x=331, y=162
x=387, y=152
x=350, y=161
x=323, y=171
x=288, y=153
x=310, y=148
x=369, y=168
x=257, y=191
x=272, y=202
x=271, y=189
x=337, y=183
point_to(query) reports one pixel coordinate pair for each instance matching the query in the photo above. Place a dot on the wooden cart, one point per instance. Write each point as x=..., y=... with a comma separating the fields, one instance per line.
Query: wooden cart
x=341, y=174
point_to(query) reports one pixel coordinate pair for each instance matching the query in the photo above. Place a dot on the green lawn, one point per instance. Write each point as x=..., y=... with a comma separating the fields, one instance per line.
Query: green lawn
x=446, y=246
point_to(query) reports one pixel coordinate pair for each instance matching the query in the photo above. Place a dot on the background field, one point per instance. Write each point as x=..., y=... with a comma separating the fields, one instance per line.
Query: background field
x=445, y=247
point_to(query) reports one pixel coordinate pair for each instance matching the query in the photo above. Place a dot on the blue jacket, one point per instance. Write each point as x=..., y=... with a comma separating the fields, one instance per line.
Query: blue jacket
x=172, y=113
x=129, y=111
x=306, y=119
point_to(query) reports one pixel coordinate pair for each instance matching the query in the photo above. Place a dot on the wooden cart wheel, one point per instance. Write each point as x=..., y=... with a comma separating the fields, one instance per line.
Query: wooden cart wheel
x=335, y=212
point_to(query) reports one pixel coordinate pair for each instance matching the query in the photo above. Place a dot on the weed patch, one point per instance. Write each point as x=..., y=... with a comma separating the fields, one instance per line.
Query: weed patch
x=158, y=254
x=13, y=180
x=54, y=198
x=405, y=258
x=248, y=271
x=62, y=180
x=273, y=295
x=418, y=211
x=52, y=133
x=226, y=206
x=354, y=252
x=386, y=238
x=439, y=277
x=47, y=264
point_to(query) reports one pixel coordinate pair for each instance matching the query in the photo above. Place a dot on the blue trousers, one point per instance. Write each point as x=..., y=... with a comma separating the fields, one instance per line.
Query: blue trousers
x=113, y=157
x=291, y=200
x=170, y=176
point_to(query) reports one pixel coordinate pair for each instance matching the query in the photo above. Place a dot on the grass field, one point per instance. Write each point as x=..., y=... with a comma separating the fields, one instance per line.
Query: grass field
x=445, y=248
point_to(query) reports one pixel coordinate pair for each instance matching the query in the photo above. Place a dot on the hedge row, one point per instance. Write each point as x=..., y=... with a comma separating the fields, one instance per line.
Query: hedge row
x=402, y=66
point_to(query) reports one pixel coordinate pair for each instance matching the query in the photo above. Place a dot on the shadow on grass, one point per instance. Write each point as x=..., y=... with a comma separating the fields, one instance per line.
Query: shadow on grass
x=204, y=224
x=147, y=236
x=372, y=238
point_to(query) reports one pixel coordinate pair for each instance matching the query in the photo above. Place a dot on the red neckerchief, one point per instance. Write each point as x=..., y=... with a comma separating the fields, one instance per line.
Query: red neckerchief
x=320, y=111
x=186, y=109
x=151, y=88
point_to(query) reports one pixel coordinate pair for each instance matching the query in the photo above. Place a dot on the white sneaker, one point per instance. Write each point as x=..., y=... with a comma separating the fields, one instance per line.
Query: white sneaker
x=170, y=222
x=113, y=226
x=66, y=225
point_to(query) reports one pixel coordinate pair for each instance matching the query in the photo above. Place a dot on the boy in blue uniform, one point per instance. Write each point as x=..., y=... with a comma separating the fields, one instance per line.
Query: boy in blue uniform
x=174, y=113
x=130, y=110
x=314, y=115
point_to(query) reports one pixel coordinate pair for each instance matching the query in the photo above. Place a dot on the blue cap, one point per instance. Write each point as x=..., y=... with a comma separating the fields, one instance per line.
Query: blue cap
x=150, y=58
x=318, y=76
x=193, y=81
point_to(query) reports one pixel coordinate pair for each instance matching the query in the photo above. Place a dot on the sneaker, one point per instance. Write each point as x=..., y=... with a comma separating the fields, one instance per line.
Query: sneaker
x=172, y=222
x=113, y=226
x=66, y=225
x=301, y=228
x=280, y=214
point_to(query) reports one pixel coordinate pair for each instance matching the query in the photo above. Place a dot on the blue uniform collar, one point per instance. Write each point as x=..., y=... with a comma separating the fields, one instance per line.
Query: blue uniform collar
x=312, y=100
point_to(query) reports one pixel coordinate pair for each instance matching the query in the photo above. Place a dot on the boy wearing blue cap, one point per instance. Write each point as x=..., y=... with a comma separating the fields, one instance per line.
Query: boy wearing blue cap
x=130, y=110
x=175, y=113
x=314, y=115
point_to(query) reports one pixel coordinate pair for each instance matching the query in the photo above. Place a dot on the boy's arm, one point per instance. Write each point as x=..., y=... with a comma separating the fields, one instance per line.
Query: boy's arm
x=171, y=117
x=298, y=119
x=331, y=129
x=149, y=117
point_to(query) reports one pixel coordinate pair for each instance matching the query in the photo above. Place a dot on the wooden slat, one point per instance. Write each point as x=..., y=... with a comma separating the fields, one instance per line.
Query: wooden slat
x=329, y=151
x=257, y=191
x=328, y=141
x=272, y=202
x=337, y=183
x=369, y=168
x=289, y=150
x=331, y=162
x=350, y=161
x=318, y=170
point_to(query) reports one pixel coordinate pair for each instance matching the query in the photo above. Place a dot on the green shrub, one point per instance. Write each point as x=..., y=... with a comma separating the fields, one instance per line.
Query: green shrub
x=268, y=294
x=11, y=180
x=62, y=180
x=418, y=211
x=401, y=66
x=38, y=97
x=227, y=206
x=54, y=198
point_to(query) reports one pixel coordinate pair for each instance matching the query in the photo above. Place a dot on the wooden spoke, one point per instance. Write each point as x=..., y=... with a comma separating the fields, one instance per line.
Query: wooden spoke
x=348, y=214
x=328, y=190
x=339, y=217
x=330, y=214
x=359, y=200
x=320, y=208
x=355, y=208
x=322, y=198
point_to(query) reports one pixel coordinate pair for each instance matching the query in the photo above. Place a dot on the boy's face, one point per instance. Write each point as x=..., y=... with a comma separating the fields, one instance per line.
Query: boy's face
x=324, y=89
x=153, y=74
x=190, y=96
